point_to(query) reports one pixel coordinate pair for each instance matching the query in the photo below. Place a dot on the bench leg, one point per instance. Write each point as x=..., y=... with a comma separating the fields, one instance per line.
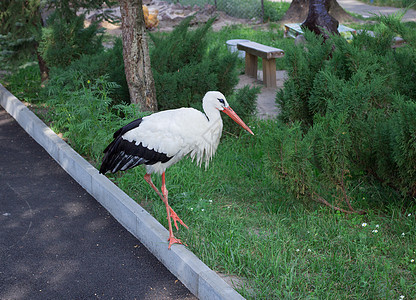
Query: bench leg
x=269, y=72
x=251, y=65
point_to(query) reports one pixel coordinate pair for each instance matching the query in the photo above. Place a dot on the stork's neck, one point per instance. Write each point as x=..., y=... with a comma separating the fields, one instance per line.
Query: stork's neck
x=212, y=113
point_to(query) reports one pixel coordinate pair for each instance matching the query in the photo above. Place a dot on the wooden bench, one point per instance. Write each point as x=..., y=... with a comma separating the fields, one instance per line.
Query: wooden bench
x=294, y=29
x=268, y=54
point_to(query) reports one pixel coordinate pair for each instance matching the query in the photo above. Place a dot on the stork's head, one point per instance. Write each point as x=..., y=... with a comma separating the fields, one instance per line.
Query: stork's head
x=216, y=100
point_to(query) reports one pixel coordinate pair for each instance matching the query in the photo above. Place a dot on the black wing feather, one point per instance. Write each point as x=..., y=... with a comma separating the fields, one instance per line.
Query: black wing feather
x=122, y=154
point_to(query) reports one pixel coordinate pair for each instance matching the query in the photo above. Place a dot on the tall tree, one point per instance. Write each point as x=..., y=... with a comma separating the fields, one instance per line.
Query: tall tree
x=136, y=55
x=298, y=12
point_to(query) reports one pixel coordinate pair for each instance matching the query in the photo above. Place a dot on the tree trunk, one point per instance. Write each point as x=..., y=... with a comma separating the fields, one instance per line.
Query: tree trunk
x=298, y=11
x=43, y=68
x=136, y=55
x=319, y=20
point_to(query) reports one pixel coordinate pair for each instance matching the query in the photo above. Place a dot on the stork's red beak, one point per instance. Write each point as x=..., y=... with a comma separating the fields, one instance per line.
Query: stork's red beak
x=230, y=112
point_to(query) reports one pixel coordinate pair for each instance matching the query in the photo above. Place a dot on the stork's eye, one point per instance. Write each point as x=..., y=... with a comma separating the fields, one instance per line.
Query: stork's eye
x=221, y=101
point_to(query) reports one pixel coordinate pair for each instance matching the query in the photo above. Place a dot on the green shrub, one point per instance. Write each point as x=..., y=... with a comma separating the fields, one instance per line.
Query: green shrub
x=184, y=68
x=397, y=157
x=304, y=65
x=108, y=62
x=290, y=160
x=63, y=42
x=85, y=115
x=352, y=107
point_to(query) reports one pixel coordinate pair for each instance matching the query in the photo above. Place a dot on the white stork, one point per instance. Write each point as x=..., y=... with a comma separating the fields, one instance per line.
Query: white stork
x=162, y=139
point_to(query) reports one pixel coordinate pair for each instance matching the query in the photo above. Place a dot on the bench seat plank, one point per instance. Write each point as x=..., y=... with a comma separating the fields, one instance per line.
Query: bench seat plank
x=260, y=50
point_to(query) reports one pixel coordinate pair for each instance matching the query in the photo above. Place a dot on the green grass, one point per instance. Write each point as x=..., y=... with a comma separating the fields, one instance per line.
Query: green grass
x=25, y=82
x=242, y=223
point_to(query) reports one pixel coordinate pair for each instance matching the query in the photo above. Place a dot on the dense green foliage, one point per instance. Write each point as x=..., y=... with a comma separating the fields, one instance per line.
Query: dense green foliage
x=64, y=42
x=185, y=68
x=351, y=110
x=108, y=62
x=83, y=111
x=20, y=25
x=22, y=29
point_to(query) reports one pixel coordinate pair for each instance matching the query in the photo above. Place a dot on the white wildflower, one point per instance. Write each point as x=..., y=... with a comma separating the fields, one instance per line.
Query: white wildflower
x=364, y=224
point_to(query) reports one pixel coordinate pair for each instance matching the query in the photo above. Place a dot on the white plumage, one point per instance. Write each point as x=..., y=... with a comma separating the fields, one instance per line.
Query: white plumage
x=177, y=133
x=162, y=139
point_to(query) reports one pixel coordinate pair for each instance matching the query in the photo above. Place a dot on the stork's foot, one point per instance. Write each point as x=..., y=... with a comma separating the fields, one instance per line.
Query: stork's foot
x=172, y=240
x=175, y=218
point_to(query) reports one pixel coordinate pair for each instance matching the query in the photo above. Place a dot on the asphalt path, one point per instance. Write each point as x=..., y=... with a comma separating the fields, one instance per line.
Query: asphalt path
x=366, y=10
x=57, y=242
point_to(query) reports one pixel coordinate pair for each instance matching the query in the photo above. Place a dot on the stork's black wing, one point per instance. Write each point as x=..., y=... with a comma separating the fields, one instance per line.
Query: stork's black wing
x=122, y=154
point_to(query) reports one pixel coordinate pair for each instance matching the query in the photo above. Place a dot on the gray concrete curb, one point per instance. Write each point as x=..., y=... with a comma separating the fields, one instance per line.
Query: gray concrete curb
x=192, y=272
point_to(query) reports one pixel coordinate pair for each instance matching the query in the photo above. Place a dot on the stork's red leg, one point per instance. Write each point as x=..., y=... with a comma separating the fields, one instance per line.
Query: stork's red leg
x=164, y=198
x=175, y=218
x=173, y=214
x=172, y=239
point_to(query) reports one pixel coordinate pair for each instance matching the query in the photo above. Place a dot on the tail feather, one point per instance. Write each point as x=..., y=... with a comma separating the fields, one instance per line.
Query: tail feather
x=113, y=148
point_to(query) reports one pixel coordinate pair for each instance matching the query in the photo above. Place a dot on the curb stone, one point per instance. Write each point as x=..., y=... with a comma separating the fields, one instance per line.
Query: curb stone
x=203, y=282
